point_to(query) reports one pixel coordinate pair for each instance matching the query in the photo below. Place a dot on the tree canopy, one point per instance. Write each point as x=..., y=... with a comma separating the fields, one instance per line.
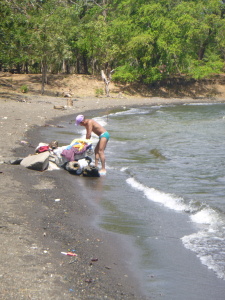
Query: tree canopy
x=142, y=40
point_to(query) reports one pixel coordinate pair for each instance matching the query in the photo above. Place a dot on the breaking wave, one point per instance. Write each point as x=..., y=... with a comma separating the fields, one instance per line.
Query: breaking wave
x=209, y=242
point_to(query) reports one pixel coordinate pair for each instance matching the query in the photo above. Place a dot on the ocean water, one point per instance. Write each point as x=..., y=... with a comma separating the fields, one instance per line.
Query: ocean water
x=165, y=188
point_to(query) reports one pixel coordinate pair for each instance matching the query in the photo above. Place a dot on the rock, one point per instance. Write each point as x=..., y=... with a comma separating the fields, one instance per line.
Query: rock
x=38, y=162
x=16, y=161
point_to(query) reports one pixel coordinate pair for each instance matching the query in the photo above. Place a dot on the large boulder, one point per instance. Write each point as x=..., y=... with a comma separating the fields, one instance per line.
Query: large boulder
x=38, y=162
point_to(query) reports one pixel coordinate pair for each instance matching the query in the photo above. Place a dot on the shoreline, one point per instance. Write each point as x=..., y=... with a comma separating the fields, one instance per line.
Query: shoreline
x=35, y=229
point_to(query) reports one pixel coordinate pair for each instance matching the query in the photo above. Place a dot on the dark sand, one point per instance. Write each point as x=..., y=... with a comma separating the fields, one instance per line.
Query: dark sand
x=35, y=228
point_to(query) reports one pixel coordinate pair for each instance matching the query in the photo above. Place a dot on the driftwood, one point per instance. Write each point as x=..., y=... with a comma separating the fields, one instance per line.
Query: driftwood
x=69, y=102
x=67, y=94
x=59, y=107
x=107, y=80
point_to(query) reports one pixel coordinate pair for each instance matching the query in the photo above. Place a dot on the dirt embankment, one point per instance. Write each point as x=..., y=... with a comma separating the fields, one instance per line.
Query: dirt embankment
x=93, y=86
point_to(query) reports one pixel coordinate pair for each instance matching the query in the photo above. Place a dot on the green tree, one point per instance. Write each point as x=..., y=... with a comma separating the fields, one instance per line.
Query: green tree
x=144, y=40
x=173, y=37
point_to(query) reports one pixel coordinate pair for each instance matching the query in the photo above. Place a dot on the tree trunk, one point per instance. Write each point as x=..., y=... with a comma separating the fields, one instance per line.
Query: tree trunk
x=64, y=66
x=104, y=12
x=44, y=76
x=26, y=68
x=78, y=66
x=106, y=81
x=67, y=68
x=85, y=63
x=18, y=69
x=201, y=53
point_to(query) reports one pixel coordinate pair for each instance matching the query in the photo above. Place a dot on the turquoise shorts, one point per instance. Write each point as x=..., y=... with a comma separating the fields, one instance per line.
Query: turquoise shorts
x=105, y=135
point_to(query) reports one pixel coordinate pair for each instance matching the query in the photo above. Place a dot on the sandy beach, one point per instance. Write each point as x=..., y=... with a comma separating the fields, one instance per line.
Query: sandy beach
x=33, y=224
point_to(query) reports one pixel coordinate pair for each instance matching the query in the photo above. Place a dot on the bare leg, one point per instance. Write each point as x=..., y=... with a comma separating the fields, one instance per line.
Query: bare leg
x=99, y=153
x=96, y=154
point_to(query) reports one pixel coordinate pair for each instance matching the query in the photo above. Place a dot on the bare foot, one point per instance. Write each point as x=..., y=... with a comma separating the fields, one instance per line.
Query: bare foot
x=102, y=172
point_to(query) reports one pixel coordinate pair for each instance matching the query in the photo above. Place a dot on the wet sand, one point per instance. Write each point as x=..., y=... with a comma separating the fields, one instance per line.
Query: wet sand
x=35, y=228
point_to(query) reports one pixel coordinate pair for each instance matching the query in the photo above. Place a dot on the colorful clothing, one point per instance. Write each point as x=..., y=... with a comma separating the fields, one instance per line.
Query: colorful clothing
x=105, y=135
x=76, y=147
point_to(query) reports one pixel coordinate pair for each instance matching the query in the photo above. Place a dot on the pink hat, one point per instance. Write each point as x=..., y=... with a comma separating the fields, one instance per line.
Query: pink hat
x=79, y=119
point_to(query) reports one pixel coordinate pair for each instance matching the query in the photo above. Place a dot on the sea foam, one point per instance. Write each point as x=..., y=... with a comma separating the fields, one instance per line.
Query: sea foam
x=208, y=244
x=168, y=200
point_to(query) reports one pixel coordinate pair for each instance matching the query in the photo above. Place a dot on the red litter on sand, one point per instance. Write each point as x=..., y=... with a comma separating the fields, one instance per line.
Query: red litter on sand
x=69, y=253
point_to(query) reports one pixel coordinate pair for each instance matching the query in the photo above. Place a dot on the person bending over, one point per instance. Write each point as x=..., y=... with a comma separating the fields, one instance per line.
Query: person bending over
x=92, y=126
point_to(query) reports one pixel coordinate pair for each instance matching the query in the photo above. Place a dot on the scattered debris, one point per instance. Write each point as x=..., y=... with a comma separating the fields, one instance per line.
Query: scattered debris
x=94, y=259
x=24, y=142
x=3, y=226
x=21, y=100
x=69, y=102
x=69, y=253
x=67, y=94
x=59, y=107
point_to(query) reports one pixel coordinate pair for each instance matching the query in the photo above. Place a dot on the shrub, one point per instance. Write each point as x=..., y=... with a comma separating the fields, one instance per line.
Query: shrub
x=24, y=88
x=99, y=92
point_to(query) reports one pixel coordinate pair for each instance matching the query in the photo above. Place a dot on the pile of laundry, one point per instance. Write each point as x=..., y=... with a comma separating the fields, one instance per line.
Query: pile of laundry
x=74, y=158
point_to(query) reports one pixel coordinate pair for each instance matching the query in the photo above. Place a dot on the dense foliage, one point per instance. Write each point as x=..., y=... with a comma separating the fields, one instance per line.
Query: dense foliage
x=142, y=40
